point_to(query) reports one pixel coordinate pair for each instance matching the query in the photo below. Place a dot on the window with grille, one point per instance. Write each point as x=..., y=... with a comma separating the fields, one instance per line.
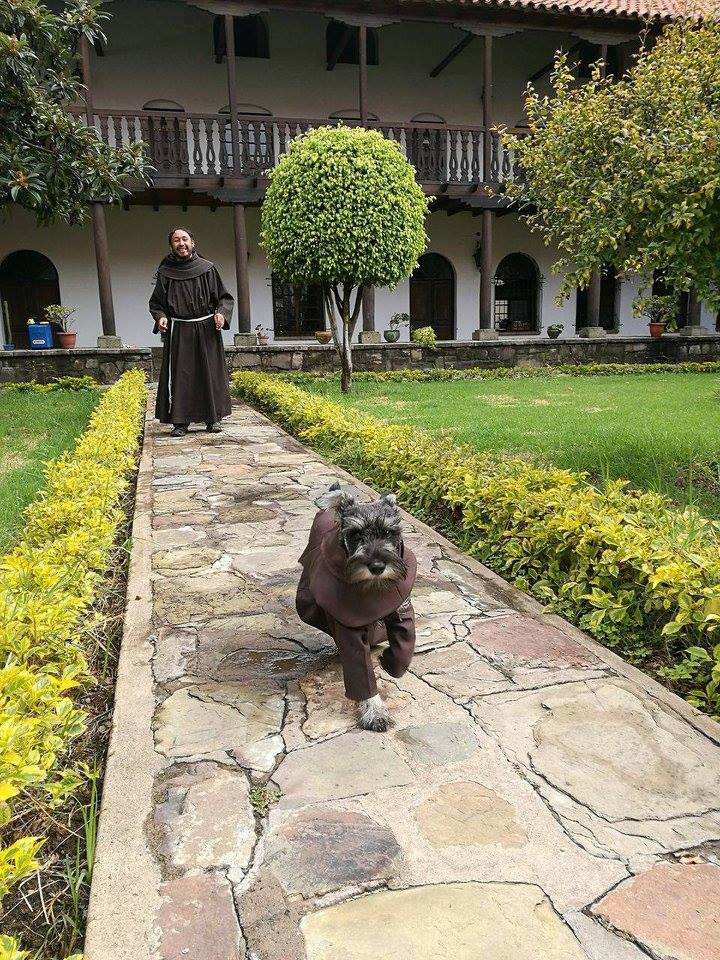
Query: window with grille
x=298, y=308
x=516, y=295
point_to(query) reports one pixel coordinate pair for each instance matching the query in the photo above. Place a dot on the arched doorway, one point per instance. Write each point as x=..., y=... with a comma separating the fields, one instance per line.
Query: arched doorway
x=28, y=284
x=516, y=295
x=432, y=296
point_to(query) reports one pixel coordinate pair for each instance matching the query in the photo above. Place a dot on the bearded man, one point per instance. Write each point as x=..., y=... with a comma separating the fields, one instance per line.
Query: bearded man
x=190, y=306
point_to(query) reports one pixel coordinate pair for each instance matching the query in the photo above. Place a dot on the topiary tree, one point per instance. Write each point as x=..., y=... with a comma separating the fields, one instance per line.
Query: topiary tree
x=51, y=162
x=344, y=210
x=627, y=171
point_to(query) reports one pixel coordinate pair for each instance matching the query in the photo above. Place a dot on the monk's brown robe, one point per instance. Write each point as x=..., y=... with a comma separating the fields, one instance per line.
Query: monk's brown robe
x=355, y=616
x=193, y=383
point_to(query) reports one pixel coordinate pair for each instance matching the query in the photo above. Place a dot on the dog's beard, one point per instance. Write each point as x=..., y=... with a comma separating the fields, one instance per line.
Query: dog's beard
x=358, y=571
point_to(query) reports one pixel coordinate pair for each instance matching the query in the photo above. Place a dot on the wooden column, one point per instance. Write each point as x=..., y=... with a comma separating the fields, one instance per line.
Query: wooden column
x=486, y=241
x=694, y=308
x=593, y=300
x=102, y=255
x=232, y=89
x=242, y=275
x=368, y=300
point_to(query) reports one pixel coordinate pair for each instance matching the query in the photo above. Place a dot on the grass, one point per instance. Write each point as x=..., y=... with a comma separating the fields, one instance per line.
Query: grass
x=34, y=428
x=660, y=432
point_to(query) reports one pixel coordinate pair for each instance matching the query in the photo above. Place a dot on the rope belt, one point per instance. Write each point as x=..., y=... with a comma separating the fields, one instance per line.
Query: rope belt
x=173, y=321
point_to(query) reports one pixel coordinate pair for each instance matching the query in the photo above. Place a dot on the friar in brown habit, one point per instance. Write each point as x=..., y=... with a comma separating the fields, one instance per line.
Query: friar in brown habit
x=190, y=306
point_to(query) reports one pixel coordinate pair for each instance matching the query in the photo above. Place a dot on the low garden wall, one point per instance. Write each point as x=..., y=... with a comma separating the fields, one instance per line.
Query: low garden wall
x=106, y=366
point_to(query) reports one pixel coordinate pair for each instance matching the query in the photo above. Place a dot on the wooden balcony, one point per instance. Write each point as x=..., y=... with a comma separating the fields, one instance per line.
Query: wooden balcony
x=196, y=149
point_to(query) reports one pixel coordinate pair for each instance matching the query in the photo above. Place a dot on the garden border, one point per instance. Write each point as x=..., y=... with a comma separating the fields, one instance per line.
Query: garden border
x=126, y=877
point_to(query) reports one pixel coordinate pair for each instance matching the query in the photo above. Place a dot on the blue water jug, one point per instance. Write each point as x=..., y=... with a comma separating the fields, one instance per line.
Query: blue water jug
x=40, y=336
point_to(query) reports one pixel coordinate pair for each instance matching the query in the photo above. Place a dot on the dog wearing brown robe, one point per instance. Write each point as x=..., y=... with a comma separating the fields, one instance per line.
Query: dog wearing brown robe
x=355, y=586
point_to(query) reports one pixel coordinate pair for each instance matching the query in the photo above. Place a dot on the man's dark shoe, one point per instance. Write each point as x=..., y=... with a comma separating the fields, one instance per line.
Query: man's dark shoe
x=179, y=430
x=213, y=428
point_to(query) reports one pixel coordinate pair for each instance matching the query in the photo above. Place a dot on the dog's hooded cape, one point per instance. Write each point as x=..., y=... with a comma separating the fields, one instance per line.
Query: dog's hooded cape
x=323, y=582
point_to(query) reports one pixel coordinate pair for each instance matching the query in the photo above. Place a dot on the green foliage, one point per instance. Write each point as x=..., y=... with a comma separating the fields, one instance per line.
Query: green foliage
x=399, y=319
x=424, y=337
x=48, y=584
x=344, y=210
x=658, y=308
x=63, y=316
x=262, y=798
x=639, y=576
x=58, y=383
x=50, y=162
x=627, y=171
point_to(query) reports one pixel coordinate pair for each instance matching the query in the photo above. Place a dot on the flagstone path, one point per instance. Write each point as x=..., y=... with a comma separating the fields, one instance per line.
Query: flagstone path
x=534, y=799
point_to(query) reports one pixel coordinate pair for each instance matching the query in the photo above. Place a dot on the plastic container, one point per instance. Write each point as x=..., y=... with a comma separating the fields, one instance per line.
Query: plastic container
x=40, y=336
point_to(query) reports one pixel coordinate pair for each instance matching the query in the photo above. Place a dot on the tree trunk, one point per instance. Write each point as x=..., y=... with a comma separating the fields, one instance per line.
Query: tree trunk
x=346, y=355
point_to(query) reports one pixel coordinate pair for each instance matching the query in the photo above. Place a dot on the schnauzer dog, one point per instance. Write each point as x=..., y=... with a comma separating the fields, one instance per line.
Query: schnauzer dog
x=355, y=586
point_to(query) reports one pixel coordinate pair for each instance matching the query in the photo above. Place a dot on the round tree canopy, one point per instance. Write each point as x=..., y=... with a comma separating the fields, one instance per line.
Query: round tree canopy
x=343, y=206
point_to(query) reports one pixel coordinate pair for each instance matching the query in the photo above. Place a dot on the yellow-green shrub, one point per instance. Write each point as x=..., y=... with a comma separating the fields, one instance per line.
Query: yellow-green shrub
x=623, y=565
x=47, y=586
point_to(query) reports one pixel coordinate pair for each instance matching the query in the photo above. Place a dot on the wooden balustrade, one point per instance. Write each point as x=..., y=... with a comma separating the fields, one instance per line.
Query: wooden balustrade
x=200, y=145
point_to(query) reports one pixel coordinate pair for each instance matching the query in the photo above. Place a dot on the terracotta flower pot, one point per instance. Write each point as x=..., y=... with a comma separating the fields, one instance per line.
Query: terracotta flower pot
x=656, y=329
x=392, y=335
x=66, y=339
x=323, y=336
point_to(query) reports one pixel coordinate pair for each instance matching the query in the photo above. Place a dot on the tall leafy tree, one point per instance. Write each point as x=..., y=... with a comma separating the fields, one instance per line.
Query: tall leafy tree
x=344, y=210
x=51, y=162
x=627, y=171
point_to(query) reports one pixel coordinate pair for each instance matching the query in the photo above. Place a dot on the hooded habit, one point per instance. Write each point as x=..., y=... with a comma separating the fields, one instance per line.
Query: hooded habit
x=355, y=615
x=193, y=384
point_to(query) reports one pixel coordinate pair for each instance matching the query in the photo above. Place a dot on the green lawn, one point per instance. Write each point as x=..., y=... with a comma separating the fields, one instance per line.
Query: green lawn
x=660, y=431
x=34, y=428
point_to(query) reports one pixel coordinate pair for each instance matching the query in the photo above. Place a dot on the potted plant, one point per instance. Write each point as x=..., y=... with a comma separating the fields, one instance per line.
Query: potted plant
x=61, y=318
x=424, y=337
x=323, y=336
x=554, y=330
x=392, y=335
x=661, y=311
x=263, y=335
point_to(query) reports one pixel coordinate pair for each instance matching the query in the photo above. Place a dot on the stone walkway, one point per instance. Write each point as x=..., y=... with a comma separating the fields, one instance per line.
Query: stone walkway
x=533, y=801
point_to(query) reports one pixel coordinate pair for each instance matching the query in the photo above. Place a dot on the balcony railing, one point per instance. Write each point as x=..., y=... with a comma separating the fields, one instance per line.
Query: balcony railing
x=200, y=145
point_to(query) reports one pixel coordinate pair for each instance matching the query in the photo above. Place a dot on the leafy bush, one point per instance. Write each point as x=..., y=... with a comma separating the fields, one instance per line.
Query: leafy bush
x=515, y=373
x=47, y=586
x=59, y=383
x=639, y=576
x=424, y=337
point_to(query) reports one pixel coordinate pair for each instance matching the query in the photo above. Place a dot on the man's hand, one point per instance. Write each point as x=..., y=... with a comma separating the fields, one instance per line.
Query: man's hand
x=163, y=324
x=219, y=321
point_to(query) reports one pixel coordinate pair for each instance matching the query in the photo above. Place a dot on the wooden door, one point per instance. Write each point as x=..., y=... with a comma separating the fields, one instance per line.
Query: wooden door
x=28, y=284
x=432, y=296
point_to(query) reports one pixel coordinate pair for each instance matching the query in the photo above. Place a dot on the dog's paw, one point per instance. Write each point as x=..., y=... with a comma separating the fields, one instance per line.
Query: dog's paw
x=374, y=715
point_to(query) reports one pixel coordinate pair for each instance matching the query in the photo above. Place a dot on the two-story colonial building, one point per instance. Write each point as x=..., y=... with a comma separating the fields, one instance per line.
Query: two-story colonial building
x=218, y=88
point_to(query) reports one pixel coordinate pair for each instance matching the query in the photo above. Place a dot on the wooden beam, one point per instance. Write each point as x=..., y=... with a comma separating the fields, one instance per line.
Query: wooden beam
x=232, y=88
x=487, y=104
x=486, y=317
x=362, y=74
x=457, y=49
x=242, y=274
x=548, y=66
x=340, y=48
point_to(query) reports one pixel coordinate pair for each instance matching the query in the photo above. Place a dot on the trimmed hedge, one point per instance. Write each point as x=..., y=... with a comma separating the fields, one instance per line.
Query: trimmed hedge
x=639, y=576
x=59, y=383
x=48, y=584
x=512, y=373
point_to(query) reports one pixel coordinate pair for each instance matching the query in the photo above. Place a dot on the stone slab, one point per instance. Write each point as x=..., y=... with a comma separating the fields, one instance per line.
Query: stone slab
x=438, y=744
x=197, y=920
x=467, y=814
x=451, y=922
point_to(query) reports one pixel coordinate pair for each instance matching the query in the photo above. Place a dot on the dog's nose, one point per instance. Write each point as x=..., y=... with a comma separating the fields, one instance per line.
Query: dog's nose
x=376, y=568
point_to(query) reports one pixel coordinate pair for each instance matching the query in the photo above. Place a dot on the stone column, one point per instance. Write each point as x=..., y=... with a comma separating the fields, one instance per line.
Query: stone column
x=243, y=337
x=109, y=339
x=694, y=327
x=486, y=329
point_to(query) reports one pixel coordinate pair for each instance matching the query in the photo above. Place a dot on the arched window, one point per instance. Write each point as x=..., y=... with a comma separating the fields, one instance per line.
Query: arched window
x=298, y=308
x=608, y=301
x=661, y=289
x=251, y=37
x=340, y=34
x=432, y=296
x=255, y=137
x=28, y=284
x=164, y=106
x=427, y=118
x=516, y=295
x=350, y=115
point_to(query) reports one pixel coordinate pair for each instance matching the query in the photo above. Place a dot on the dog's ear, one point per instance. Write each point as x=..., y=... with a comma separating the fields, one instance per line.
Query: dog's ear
x=335, y=499
x=389, y=498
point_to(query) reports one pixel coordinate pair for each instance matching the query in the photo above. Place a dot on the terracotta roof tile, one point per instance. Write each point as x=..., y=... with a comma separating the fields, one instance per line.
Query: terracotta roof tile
x=630, y=9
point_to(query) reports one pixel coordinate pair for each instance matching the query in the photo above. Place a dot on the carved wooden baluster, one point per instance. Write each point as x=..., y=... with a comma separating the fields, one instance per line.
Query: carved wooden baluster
x=173, y=128
x=197, y=157
x=284, y=133
x=452, y=138
x=146, y=135
x=184, y=152
x=464, y=158
x=213, y=130
x=494, y=158
x=103, y=129
x=506, y=163
x=475, y=141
